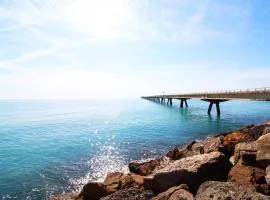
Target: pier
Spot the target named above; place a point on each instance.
(258, 94)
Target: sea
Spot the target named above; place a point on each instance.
(54, 146)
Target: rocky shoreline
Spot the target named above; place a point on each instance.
(230, 166)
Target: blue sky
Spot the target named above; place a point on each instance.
(129, 48)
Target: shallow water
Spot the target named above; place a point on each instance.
(51, 146)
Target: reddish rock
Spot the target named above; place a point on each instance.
(191, 171)
(234, 138)
(182, 195)
(168, 193)
(260, 148)
(93, 191)
(117, 180)
(247, 176)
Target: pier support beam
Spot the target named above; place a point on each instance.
(182, 101)
(214, 101)
(169, 101)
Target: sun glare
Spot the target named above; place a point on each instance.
(103, 18)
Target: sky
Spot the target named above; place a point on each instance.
(129, 48)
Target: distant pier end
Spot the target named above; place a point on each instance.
(262, 94)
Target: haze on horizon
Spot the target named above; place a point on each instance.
(129, 48)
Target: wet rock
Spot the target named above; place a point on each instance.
(260, 148)
(117, 180)
(144, 167)
(227, 191)
(234, 138)
(93, 191)
(191, 171)
(247, 176)
(132, 193)
(66, 196)
(168, 193)
(267, 177)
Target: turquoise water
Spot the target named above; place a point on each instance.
(48, 147)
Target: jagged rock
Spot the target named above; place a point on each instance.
(213, 144)
(260, 148)
(247, 176)
(234, 138)
(117, 180)
(182, 195)
(168, 193)
(132, 193)
(256, 131)
(66, 196)
(191, 171)
(191, 149)
(144, 167)
(227, 191)
(93, 191)
(267, 177)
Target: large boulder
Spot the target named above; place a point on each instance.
(234, 138)
(116, 180)
(93, 191)
(175, 193)
(227, 190)
(191, 171)
(132, 193)
(259, 149)
(247, 176)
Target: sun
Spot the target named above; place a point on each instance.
(99, 18)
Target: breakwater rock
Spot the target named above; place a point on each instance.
(233, 166)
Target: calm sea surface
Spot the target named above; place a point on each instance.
(51, 146)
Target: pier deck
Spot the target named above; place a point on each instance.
(262, 94)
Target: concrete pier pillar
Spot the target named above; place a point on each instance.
(210, 107)
(182, 101)
(214, 101)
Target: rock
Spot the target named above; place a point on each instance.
(256, 131)
(93, 191)
(232, 139)
(266, 130)
(260, 148)
(113, 181)
(182, 195)
(213, 144)
(191, 171)
(144, 167)
(247, 176)
(117, 180)
(66, 196)
(191, 149)
(267, 177)
(227, 191)
(167, 194)
(132, 193)
(263, 188)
